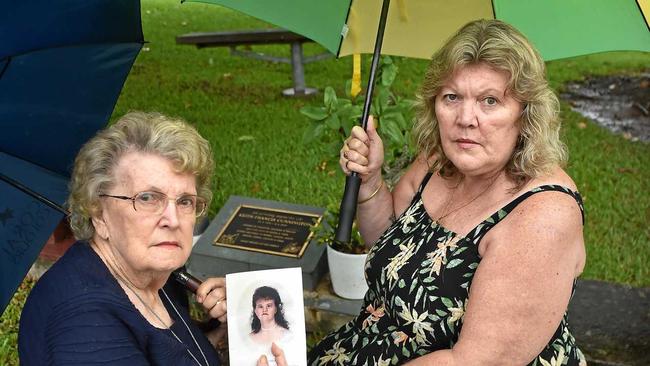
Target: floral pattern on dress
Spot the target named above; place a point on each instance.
(419, 275)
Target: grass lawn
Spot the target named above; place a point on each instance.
(256, 134)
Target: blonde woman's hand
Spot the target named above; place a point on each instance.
(363, 152)
(212, 296)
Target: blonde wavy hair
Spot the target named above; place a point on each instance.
(153, 133)
(502, 47)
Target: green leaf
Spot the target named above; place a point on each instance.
(347, 124)
(382, 100)
(458, 251)
(390, 129)
(312, 132)
(330, 98)
(413, 284)
(315, 113)
(406, 352)
(349, 116)
(333, 122)
(418, 294)
(388, 74)
(401, 283)
(453, 263)
(447, 302)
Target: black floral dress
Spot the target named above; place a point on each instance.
(419, 275)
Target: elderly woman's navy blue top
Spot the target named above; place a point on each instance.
(77, 314)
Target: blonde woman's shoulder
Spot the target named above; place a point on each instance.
(557, 176)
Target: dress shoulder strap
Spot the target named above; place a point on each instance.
(425, 180)
(479, 231)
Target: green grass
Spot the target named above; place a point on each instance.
(256, 133)
(9, 325)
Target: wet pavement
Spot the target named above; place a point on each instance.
(611, 323)
(618, 103)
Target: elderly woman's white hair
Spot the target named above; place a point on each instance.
(153, 133)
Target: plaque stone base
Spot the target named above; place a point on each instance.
(210, 260)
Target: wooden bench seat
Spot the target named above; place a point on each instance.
(234, 39)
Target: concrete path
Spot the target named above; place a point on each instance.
(611, 323)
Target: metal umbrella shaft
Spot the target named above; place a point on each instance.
(32, 193)
(348, 208)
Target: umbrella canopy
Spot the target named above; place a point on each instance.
(416, 28)
(62, 66)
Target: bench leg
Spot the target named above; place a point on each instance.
(299, 88)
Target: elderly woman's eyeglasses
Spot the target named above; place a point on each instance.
(156, 202)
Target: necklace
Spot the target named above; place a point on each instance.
(451, 198)
(188, 330)
(126, 283)
(270, 328)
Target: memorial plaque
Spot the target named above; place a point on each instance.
(265, 230)
(233, 243)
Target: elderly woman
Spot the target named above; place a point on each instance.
(135, 193)
(477, 248)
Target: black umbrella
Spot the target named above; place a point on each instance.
(62, 66)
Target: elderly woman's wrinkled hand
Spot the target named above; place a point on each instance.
(212, 296)
(363, 153)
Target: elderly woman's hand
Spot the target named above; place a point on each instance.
(278, 353)
(212, 296)
(363, 152)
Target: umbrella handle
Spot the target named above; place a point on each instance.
(190, 282)
(348, 208)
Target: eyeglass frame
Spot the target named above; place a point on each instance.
(134, 197)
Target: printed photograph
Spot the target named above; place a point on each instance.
(266, 307)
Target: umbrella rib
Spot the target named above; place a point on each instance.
(643, 15)
(5, 66)
(72, 45)
(32, 193)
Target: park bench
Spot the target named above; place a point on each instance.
(235, 39)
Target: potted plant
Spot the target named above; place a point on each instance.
(346, 261)
(331, 123)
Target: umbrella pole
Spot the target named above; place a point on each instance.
(348, 208)
(25, 189)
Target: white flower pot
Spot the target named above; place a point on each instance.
(347, 273)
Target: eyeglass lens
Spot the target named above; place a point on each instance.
(157, 201)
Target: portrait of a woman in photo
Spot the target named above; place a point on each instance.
(268, 323)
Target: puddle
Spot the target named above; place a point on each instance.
(618, 103)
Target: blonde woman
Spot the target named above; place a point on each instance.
(475, 252)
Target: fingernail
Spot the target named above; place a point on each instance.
(199, 298)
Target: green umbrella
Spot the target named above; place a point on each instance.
(416, 28)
